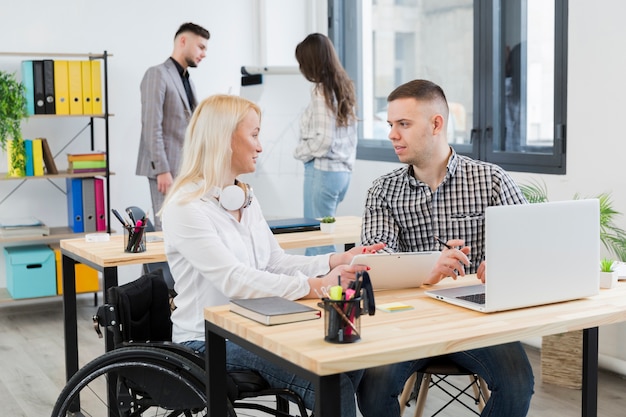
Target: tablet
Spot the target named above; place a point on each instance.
(393, 271)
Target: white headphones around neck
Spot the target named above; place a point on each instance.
(235, 197)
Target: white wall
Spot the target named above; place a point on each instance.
(138, 34)
(265, 32)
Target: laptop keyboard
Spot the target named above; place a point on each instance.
(473, 298)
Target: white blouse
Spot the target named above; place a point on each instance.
(214, 258)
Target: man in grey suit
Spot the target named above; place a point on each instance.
(167, 101)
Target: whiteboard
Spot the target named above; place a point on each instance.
(282, 96)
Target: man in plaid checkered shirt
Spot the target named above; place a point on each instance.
(439, 194)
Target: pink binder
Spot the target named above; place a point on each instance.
(101, 222)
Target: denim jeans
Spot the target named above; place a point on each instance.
(238, 358)
(505, 369)
(323, 191)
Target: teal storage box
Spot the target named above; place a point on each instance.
(30, 271)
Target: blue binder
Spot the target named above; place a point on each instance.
(30, 167)
(27, 81)
(75, 204)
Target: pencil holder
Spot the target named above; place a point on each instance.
(135, 239)
(342, 320)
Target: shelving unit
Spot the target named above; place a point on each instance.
(64, 232)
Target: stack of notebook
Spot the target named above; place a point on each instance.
(22, 227)
(86, 162)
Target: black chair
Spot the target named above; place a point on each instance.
(146, 372)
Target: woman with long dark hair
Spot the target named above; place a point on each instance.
(328, 134)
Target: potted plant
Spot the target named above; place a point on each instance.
(327, 224)
(12, 111)
(608, 277)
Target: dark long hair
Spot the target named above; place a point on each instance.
(320, 64)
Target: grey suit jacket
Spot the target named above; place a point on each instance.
(165, 114)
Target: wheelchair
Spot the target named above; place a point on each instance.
(148, 375)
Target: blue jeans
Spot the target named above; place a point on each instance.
(323, 191)
(238, 358)
(505, 368)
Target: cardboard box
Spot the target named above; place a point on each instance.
(86, 277)
(30, 271)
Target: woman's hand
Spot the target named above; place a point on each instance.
(451, 263)
(341, 275)
(346, 257)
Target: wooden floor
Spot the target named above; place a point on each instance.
(32, 368)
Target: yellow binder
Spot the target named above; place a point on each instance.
(86, 83)
(96, 86)
(75, 87)
(61, 93)
(37, 157)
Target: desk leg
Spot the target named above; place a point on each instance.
(348, 246)
(69, 321)
(109, 276)
(216, 374)
(328, 396)
(590, 373)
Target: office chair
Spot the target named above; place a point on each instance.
(435, 375)
(148, 374)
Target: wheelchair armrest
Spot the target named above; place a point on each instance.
(106, 316)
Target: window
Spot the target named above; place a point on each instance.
(502, 64)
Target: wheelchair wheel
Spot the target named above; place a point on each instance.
(135, 381)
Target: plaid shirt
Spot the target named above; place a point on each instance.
(406, 214)
(333, 148)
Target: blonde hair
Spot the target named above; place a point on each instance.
(207, 148)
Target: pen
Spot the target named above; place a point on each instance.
(346, 319)
(120, 218)
(443, 243)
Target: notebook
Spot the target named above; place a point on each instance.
(301, 224)
(536, 254)
(391, 271)
(273, 310)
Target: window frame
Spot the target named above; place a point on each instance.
(344, 28)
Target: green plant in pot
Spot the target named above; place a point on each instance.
(608, 277)
(327, 224)
(12, 112)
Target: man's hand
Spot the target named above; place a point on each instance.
(451, 263)
(164, 182)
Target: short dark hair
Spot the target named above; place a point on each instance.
(192, 27)
(419, 90)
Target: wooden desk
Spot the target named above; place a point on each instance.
(107, 256)
(432, 328)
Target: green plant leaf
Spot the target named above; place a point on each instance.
(12, 108)
(535, 192)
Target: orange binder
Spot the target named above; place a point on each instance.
(61, 93)
(96, 86)
(86, 86)
(75, 87)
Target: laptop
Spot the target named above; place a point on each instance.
(300, 224)
(536, 254)
(393, 271)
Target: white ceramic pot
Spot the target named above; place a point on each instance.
(327, 227)
(608, 279)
